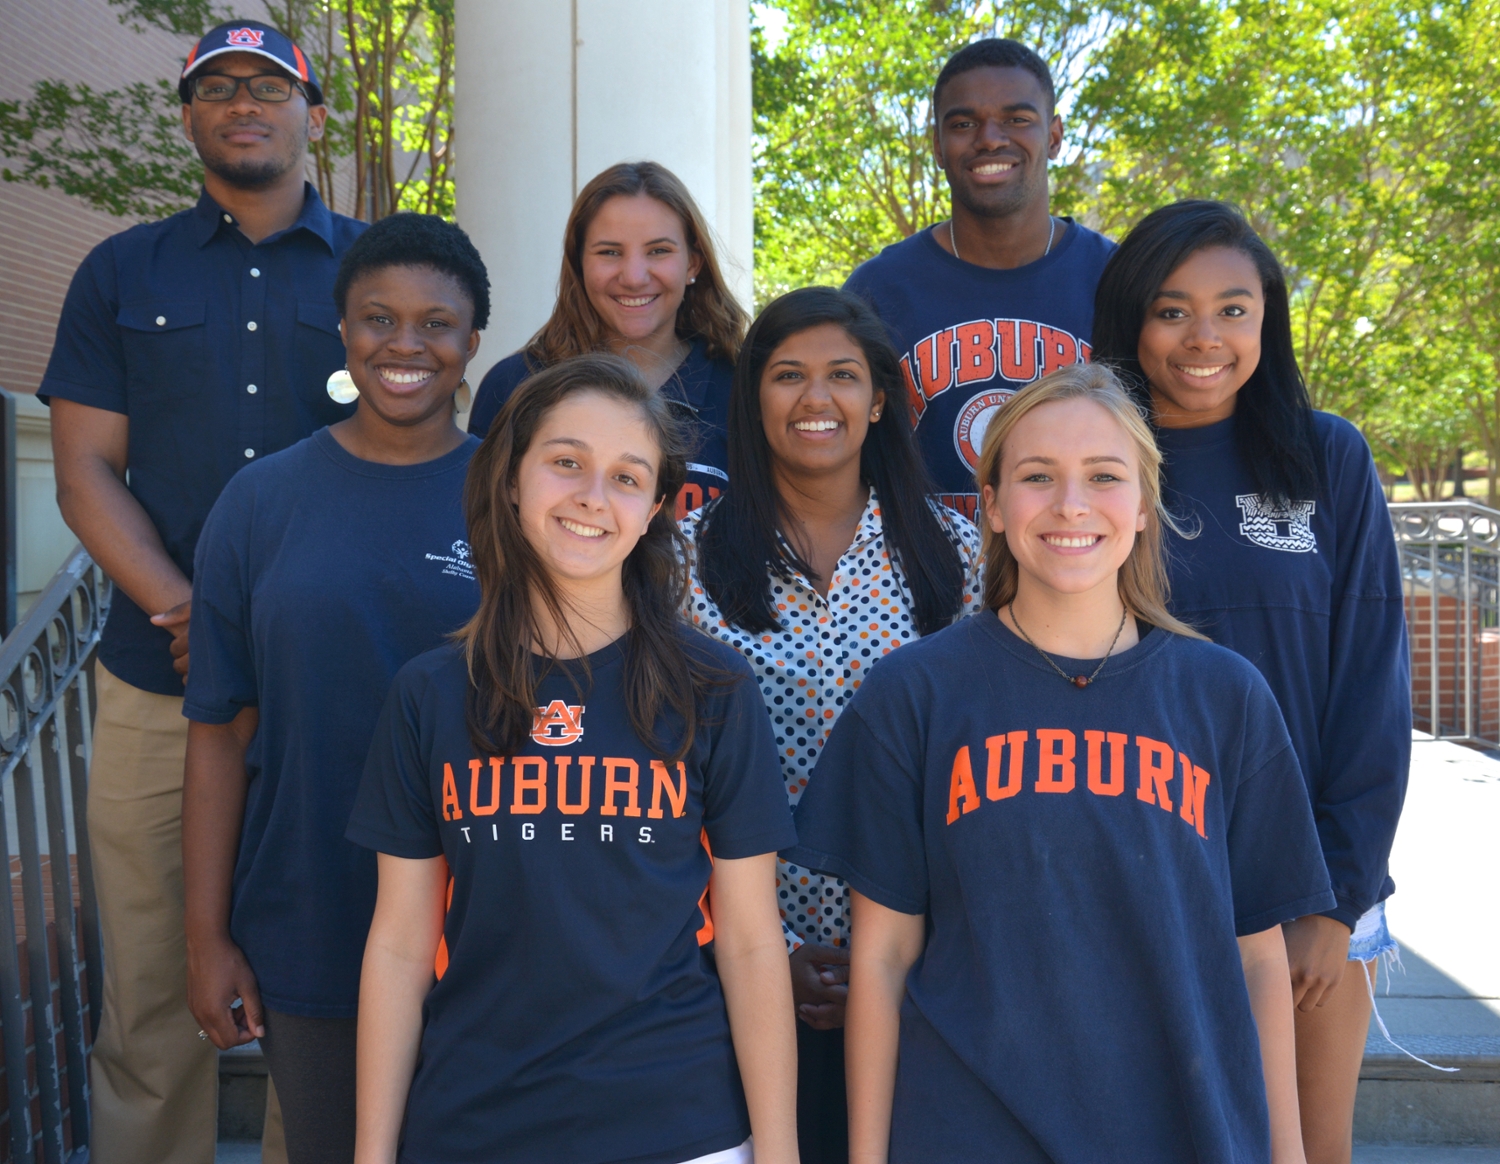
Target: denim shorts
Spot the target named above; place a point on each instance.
(1372, 937)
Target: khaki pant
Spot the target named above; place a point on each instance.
(155, 1083)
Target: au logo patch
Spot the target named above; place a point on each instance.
(246, 38)
(973, 419)
(558, 724)
(1286, 527)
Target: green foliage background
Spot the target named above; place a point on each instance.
(1361, 136)
(1362, 139)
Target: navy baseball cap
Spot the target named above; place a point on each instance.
(250, 36)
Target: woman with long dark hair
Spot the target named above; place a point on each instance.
(1294, 568)
(570, 803)
(825, 557)
(640, 278)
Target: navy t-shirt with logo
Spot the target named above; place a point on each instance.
(1085, 860)
(317, 576)
(970, 337)
(1311, 594)
(577, 1017)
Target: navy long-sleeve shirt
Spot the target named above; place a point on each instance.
(1311, 594)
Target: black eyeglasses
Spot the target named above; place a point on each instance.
(272, 87)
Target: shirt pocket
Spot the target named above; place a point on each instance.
(317, 352)
(166, 350)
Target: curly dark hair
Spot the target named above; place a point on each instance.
(417, 240)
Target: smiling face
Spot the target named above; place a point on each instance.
(1069, 497)
(995, 133)
(586, 488)
(408, 335)
(1200, 342)
(817, 402)
(250, 143)
(636, 266)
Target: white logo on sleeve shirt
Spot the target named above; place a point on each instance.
(1278, 526)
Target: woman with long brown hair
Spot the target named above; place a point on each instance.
(1072, 827)
(640, 278)
(571, 803)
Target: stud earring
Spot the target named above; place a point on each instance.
(874, 416)
(463, 399)
(694, 279)
(341, 387)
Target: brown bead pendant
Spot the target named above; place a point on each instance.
(1080, 680)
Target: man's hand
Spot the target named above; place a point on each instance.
(175, 622)
(218, 974)
(1317, 950)
(820, 985)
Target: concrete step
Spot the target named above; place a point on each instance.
(242, 1094)
(1363, 1154)
(1443, 1002)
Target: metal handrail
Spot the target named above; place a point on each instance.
(46, 738)
(1451, 550)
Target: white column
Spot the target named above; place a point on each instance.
(549, 93)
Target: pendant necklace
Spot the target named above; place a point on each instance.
(1079, 681)
(1051, 232)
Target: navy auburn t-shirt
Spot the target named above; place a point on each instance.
(970, 337)
(700, 390)
(1084, 859)
(577, 1017)
(317, 576)
(1310, 592)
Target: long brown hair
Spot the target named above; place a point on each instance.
(708, 309)
(1143, 578)
(660, 674)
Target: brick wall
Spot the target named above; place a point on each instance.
(1449, 661)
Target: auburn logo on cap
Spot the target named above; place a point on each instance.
(246, 38)
(558, 724)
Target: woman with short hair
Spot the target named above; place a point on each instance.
(641, 278)
(320, 571)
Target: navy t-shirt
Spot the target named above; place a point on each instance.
(218, 350)
(700, 387)
(1311, 594)
(970, 337)
(577, 1018)
(318, 575)
(1084, 859)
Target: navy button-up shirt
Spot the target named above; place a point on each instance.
(219, 352)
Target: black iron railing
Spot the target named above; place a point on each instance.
(50, 916)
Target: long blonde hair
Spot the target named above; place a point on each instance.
(708, 308)
(1143, 577)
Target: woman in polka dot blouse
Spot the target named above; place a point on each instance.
(825, 555)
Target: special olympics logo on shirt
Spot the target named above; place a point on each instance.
(1285, 526)
(973, 419)
(461, 550)
(558, 724)
(246, 38)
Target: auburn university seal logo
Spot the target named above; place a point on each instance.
(1285, 526)
(973, 419)
(246, 38)
(558, 724)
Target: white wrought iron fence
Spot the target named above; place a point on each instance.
(1450, 566)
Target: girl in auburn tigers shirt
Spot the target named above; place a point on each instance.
(569, 805)
(1072, 828)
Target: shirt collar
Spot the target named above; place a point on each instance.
(870, 526)
(209, 218)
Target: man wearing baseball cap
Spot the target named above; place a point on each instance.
(187, 348)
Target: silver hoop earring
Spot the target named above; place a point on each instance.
(341, 389)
